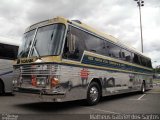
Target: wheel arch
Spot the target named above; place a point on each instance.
(97, 80)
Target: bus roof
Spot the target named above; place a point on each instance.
(9, 41)
(86, 27)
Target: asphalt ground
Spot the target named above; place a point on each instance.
(130, 103)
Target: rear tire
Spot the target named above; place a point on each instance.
(143, 88)
(93, 93)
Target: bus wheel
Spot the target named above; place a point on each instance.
(93, 93)
(1, 88)
(143, 88)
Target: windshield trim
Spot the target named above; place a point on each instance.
(64, 39)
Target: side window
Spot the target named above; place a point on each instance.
(140, 60)
(143, 61)
(74, 44)
(112, 50)
(95, 44)
(126, 55)
(132, 56)
(77, 41)
(149, 64)
(146, 62)
(136, 59)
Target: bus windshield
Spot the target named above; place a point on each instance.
(48, 41)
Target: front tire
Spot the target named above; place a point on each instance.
(93, 93)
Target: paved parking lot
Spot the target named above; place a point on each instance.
(132, 103)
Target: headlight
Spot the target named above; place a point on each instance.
(54, 81)
(14, 82)
(41, 81)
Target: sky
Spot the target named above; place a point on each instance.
(119, 18)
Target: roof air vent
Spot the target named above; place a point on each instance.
(77, 21)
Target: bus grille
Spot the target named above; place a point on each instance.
(37, 70)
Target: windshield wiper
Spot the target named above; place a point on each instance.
(36, 51)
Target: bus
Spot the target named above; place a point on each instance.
(8, 53)
(63, 60)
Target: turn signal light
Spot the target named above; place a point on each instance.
(34, 81)
(54, 82)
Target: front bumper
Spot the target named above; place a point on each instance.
(44, 95)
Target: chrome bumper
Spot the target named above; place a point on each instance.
(43, 95)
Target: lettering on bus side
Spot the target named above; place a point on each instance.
(102, 62)
(112, 64)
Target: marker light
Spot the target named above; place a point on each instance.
(54, 82)
(34, 81)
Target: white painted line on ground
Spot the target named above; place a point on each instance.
(101, 110)
(137, 99)
(141, 97)
(153, 92)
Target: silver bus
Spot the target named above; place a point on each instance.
(64, 60)
(8, 53)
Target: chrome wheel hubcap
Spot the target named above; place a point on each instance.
(93, 94)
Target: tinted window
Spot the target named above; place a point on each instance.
(112, 50)
(95, 44)
(149, 64)
(83, 41)
(74, 44)
(79, 41)
(143, 61)
(126, 55)
(146, 62)
(136, 59)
